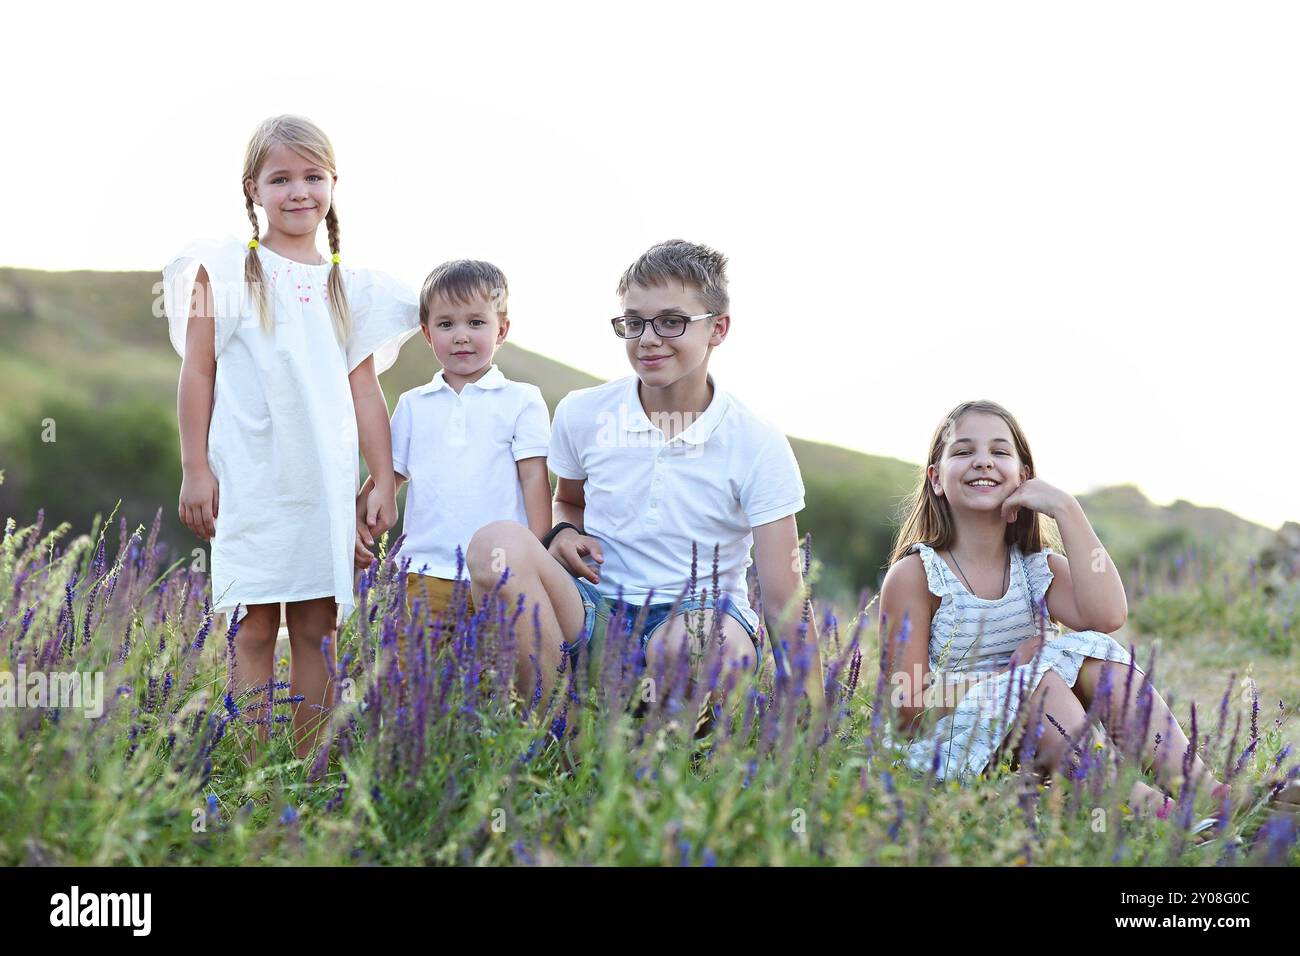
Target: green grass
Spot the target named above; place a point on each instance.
(473, 779)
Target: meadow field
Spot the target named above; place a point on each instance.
(431, 758)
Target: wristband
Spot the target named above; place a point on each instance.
(550, 535)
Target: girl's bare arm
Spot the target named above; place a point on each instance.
(376, 442)
(905, 594)
(1086, 593)
(363, 501)
(198, 505)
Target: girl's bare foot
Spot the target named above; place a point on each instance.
(1288, 798)
(1146, 801)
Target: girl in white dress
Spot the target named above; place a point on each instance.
(281, 349)
(970, 573)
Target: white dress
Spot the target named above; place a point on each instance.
(282, 442)
(971, 639)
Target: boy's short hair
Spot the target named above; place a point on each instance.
(461, 281)
(684, 261)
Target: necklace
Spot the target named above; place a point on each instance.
(1006, 574)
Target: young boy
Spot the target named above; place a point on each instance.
(647, 466)
(471, 442)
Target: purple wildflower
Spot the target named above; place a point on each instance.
(205, 627)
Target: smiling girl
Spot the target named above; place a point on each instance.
(971, 573)
(281, 349)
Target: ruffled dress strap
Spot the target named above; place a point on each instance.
(1038, 575)
(385, 313)
(934, 575)
(223, 260)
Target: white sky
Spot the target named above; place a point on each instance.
(1090, 213)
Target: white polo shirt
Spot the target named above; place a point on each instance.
(459, 452)
(648, 500)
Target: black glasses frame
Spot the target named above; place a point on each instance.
(654, 323)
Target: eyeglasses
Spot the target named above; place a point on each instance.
(666, 326)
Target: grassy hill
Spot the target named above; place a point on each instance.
(88, 384)
(1130, 524)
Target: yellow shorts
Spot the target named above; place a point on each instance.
(436, 595)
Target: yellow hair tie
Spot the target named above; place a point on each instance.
(252, 243)
(336, 258)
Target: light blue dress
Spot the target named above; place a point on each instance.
(972, 639)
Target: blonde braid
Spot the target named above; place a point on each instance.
(254, 277)
(338, 294)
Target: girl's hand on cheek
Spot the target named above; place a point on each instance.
(1012, 515)
(1036, 495)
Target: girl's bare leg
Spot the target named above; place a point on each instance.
(1167, 758)
(1056, 699)
(1052, 698)
(309, 623)
(1146, 800)
(255, 663)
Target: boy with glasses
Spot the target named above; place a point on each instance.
(648, 466)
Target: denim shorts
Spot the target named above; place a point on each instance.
(597, 610)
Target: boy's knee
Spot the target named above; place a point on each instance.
(494, 548)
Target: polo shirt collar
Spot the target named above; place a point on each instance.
(700, 429)
(492, 378)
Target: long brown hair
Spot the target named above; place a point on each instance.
(307, 139)
(929, 517)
